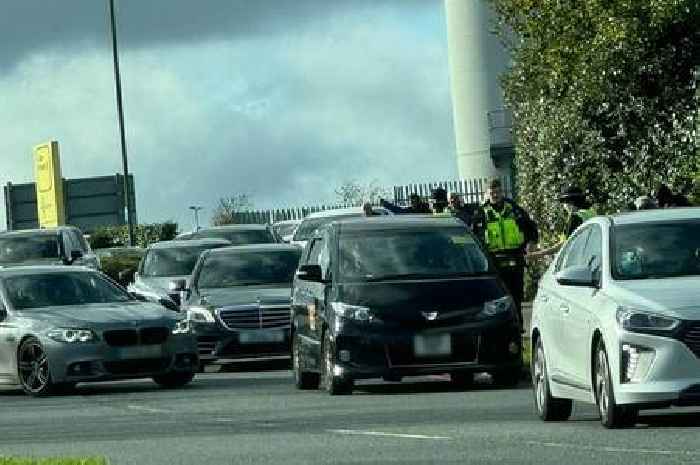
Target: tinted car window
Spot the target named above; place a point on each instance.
(594, 248)
(658, 250)
(53, 289)
(438, 252)
(310, 225)
(255, 236)
(245, 269)
(176, 261)
(315, 252)
(25, 248)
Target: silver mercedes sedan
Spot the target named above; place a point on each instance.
(63, 325)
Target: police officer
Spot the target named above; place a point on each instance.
(579, 211)
(508, 232)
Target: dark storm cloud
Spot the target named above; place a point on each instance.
(28, 25)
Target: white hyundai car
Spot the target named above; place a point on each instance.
(616, 320)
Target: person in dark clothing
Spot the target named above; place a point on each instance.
(439, 202)
(667, 199)
(367, 210)
(417, 206)
(508, 232)
(460, 210)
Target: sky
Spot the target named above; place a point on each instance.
(282, 100)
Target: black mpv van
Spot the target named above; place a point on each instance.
(388, 297)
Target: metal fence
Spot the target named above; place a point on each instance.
(471, 190)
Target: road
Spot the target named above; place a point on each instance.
(258, 418)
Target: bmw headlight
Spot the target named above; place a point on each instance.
(351, 312)
(199, 314)
(498, 306)
(633, 320)
(182, 327)
(72, 336)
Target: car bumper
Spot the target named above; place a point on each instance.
(672, 377)
(486, 347)
(99, 362)
(215, 342)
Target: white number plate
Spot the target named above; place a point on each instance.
(261, 337)
(432, 345)
(154, 351)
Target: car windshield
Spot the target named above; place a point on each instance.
(656, 250)
(175, 261)
(248, 268)
(26, 248)
(237, 237)
(61, 289)
(434, 252)
(309, 225)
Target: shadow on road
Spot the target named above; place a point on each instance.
(408, 387)
(670, 420)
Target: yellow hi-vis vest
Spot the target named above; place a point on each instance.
(502, 230)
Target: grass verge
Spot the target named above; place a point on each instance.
(527, 351)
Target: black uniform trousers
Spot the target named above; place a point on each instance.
(511, 268)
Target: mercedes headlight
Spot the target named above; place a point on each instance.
(633, 320)
(498, 306)
(182, 327)
(200, 315)
(72, 336)
(351, 312)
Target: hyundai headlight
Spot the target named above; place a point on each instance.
(183, 326)
(351, 312)
(498, 306)
(633, 320)
(72, 336)
(200, 315)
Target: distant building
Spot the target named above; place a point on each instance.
(90, 203)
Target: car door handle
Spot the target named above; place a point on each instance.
(565, 309)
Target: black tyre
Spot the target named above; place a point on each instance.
(462, 380)
(302, 379)
(174, 380)
(331, 383)
(33, 368)
(548, 407)
(611, 414)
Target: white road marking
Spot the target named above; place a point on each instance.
(617, 450)
(352, 432)
(141, 408)
(224, 420)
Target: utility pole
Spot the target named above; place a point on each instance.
(128, 194)
(195, 209)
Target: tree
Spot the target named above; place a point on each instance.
(603, 94)
(353, 192)
(225, 212)
(146, 234)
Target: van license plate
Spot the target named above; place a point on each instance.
(432, 345)
(261, 337)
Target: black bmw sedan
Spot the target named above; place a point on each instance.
(388, 297)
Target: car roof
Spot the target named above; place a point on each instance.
(43, 269)
(656, 215)
(254, 248)
(189, 243)
(35, 232)
(340, 212)
(234, 227)
(286, 222)
(397, 222)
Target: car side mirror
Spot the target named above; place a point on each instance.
(311, 273)
(579, 276)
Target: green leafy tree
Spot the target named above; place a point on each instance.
(603, 94)
(228, 207)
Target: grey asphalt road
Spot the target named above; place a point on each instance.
(258, 418)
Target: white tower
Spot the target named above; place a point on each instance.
(482, 129)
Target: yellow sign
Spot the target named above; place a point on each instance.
(49, 185)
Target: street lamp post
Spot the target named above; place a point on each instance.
(122, 132)
(195, 209)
